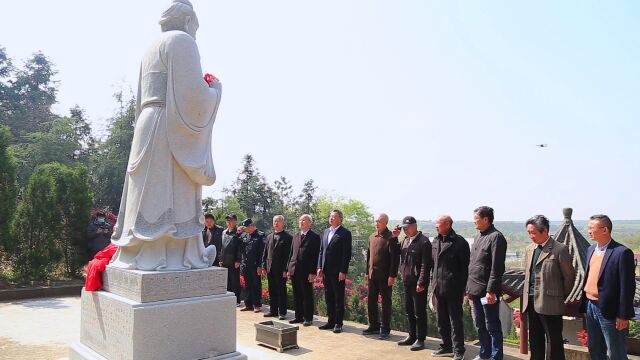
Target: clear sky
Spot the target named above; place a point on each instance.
(414, 107)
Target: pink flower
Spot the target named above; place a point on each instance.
(209, 78)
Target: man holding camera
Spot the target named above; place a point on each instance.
(98, 235)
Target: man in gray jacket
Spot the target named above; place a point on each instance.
(484, 286)
(548, 280)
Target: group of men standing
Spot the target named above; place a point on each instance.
(455, 270)
(281, 257)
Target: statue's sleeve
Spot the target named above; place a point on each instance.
(191, 108)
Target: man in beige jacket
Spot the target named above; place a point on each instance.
(548, 279)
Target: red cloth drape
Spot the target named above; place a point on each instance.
(97, 266)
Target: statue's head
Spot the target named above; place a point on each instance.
(180, 16)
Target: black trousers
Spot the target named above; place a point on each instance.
(334, 297)
(545, 335)
(233, 282)
(277, 293)
(302, 295)
(379, 287)
(252, 287)
(416, 307)
(450, 325)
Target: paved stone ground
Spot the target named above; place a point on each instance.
(44, 329)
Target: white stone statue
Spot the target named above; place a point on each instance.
(160, 221)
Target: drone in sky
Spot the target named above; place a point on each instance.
(542, 145)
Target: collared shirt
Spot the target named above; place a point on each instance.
(600, 250)
(545, 242)
(332, 231)
(412, 238)
(534, 260)
(303, 233)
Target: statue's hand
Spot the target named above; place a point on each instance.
(216, 84)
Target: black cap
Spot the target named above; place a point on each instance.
(247, 222)
(232, 216)
(408, 220)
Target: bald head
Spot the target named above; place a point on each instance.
(381, 222)
(444, 223)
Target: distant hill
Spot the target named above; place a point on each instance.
(625, 231)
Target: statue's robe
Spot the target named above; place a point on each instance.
(160, 221)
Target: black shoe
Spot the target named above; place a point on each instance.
(370, 331)
(269, 315)
(337, 329)
(326, 326)
(407, 341)
(442, 353)
(418, 345)
(458, 356)
(296, 321)
(307, 323)
(384, 334)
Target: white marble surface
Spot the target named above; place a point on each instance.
(118, 328)
(160, 218)
(147, 286)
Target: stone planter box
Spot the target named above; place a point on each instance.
(633, 346)
(277, 335)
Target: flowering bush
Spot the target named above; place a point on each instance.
(583, 337)
(516, 318)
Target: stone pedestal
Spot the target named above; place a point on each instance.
(154, 315)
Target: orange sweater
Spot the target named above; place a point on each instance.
(591, 286)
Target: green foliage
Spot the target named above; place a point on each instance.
(357, 218)
(8, 186)
(67, 141)
(33, 249)
(109, 164)
(634, 328)
(49, 222)
(27, 95)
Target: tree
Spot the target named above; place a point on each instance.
(286, 204)
(33, 251)
(112, 156)
(307, 202)
(50, 222)
(255, 196)
(6, 73)
(8, 185)
(29, 96)
(357, 218)
(67, 141)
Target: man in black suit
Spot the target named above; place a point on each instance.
(416, 262)
(333, 265)
(608, 292)
(230, 255)
(275, 260)
(212, 235)
(302, 269)
(450, 272)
